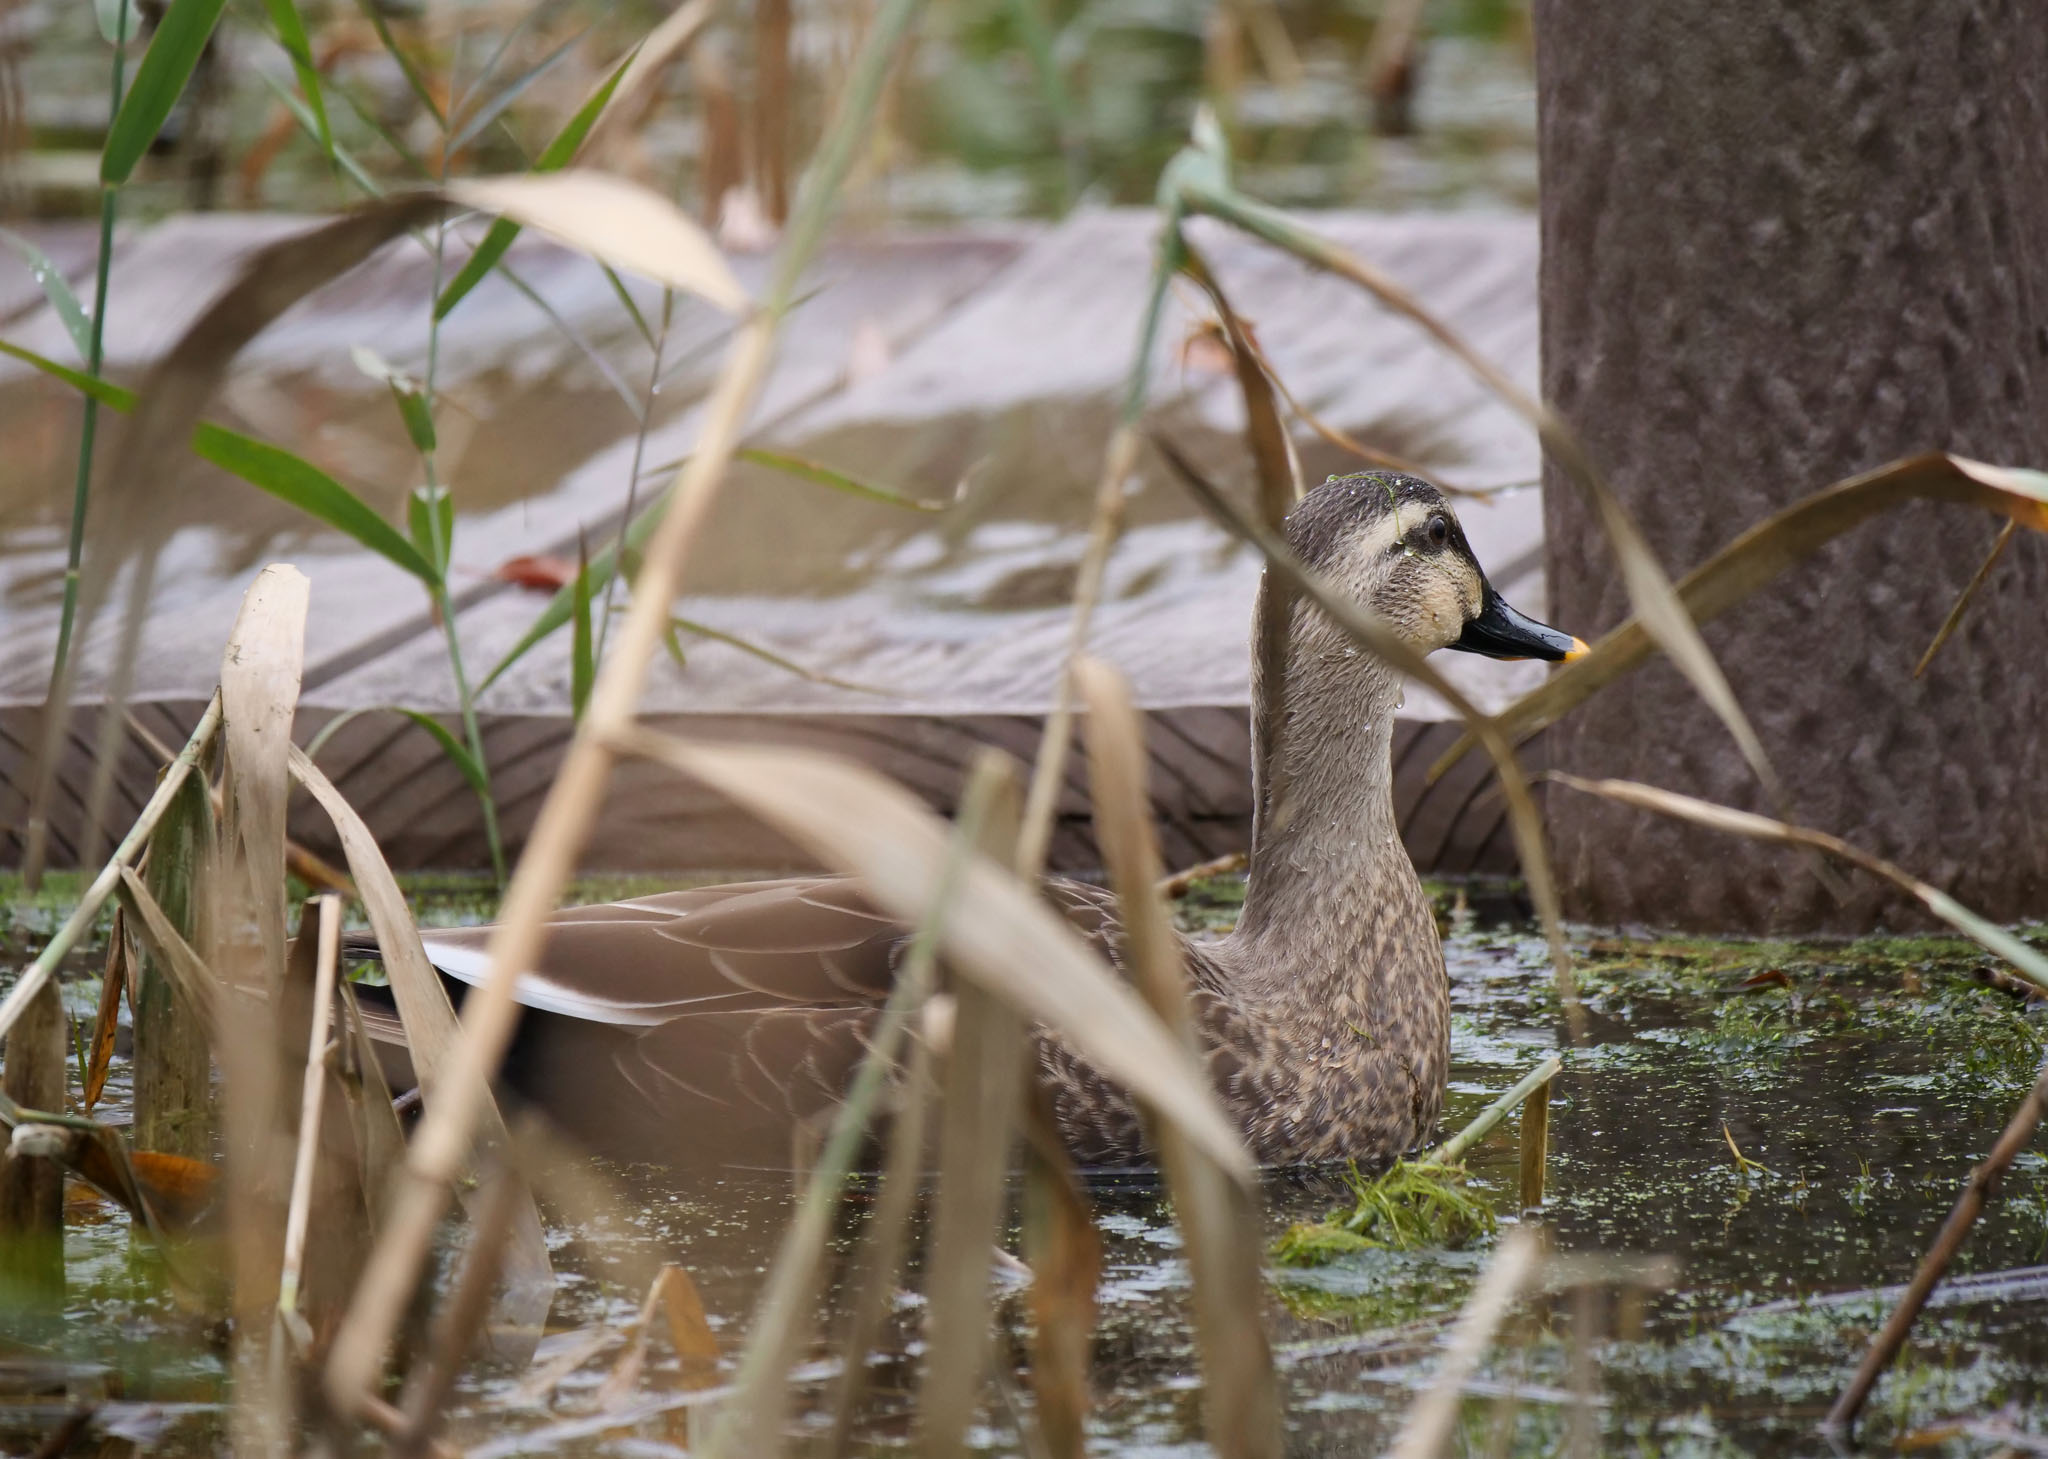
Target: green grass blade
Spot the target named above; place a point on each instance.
(582, 654)
(374, 13)
(292, 479)
(271, 468)
(291, 33)
(112, 396)
(474, 124)
(303, 115)
(368, 116)
(430, 517)
(555, 156)
(453, 748)
(819, 474)
(180, 37)
(765, 654)
(563, 604)
(50, 279)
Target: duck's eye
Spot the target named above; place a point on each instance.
(1439, 531)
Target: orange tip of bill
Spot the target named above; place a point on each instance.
(1578, 650)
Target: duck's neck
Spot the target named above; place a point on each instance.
(1327, 864)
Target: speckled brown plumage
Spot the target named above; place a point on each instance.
(718, 1022)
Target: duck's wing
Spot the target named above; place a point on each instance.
(743, 948)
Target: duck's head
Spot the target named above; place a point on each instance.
(1393, 543)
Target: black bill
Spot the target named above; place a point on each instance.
(1503, 632)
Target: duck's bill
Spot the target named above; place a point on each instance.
(1505, 632)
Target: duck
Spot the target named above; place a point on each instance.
(718, 1023)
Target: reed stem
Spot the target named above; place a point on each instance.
(88, 432)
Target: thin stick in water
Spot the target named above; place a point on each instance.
(2019, 1131)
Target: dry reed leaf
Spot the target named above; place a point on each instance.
(1770, 548)
(162, 941)
(1218, 1218)
(983, 1082)
(1279, 488)
(981, 1090)
(430, 1032)
(756, 1419)
(180, 1190)
(312, 1106)
(1065, 1255)
(997, 933)
(663, 44)
(887, 1231)
(689, 1332)
(1514, 1268)
(2026, 960)
(259, 692)
(622, 223)
(380, 1141)
(1954, 620)
(1048, 767)
(568, 812)
(107, 1021)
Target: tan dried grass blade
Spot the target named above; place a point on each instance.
(1962, 604)
(1768, 549)
(662, 45)
(259, 692)
(620, 222)
(570, 809)
(689, 1332)
(998, 933)
(106, 1021)
(753, 1424)
(312, 1099)
(1065, 1254)
(430, 1032)
(162, 941)
(1218, 1218)
(2026, 960)
(1511, 1272)
(984, 1083)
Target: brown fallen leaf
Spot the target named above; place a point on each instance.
(537, 573)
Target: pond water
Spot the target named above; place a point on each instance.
(1697, 1304)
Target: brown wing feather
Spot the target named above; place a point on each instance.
(743, 948)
